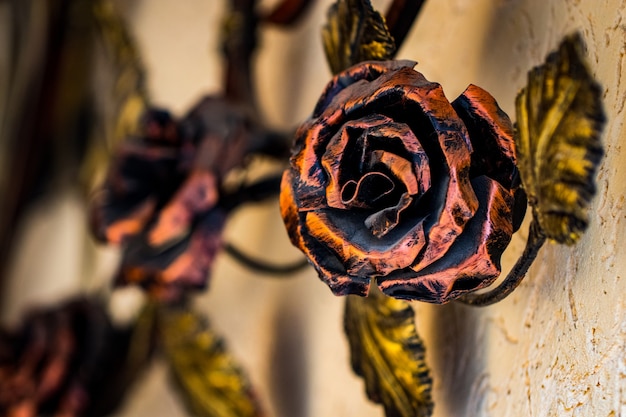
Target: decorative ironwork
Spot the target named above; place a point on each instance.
(387, 352)
(390, 180)
(355, 32)
(560, 117)
(208, 378)
(389, 183)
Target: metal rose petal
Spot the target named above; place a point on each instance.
(333, 160)
(330, 269)
(374, 139)
(289, 209)
(410, 90)
(400, 167)
(140, 177)
(364, 71)
(382, 222)
(473, 262)
(457, 202)
(196, 195)
(128, 223)
(166, 271)
(491, 133)
(312, 138)
(362, 253)
(398, 139)
(311, 175)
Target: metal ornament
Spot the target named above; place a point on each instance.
(390, 180)
(560, 118)
(390, 183)
(387, 352)
(392, 192)
(71, 360)
(209, 380)
(355, 32)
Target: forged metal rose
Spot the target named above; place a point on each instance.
(162, 199)
(389, 180)
(66, 360)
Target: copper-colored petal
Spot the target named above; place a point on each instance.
(491, 133)
(350, 95)
(333, 158)
(193, 266)
(457, 201)
(26, 408)
(383, 221)
(138, 178)
(221, 154)
(364, 71)
(326, 263)
(311, 178)
(186, 264)
(368, 137)
(198, 194)
(131, 224)
(331, 269)
(289, 209)
(400, 144)
(473, 261)
(400, 167)
(61, 348)
(360, 251)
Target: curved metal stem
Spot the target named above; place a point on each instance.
(288, 12)
(262, 266)
(238, 46)
(400, 17)
(536, 239)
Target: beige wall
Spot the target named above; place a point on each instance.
(556, 347)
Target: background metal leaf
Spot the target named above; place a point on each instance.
(208, 378)
(560, 117)
(355, 32)
(387, 352)
(120, 110)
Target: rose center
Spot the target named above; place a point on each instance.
(377, 191)
(368, 192)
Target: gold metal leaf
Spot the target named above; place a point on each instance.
(208, 378)
(559, 119)
(387, 352)
(355, 32)
(128, 98)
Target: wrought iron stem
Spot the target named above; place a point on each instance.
(400, 17)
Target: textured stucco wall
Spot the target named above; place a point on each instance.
(556, 347)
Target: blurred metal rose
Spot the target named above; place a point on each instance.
(162, 200)
(389, 180)
(67, 360)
